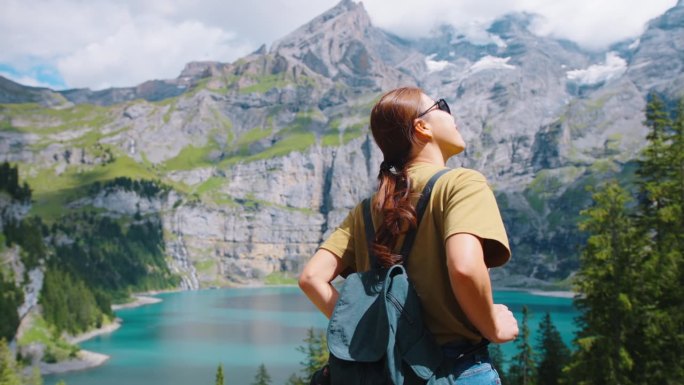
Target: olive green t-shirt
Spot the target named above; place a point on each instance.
(461, 202)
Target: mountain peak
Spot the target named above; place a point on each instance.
(346, 14)
(200, 69)
(342, 45)
(512, 24)
(672, 19)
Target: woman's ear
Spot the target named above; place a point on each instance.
(422, 130)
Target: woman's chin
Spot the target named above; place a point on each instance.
(459, 149)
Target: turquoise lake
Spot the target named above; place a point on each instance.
(181, 340)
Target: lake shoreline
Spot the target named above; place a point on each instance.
(539, 292)
(533, 291)
(87, 359)
(140, 300)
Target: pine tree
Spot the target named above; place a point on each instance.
(9, 370)
(609, 282)
(498, 362)
(654, 166)
(219, 375)
(315, 351)
(674, 299)
(35, 378)
(661, 190)
(262, 377)
(554, 355)
(294, 379)
(522, 370)
(10, 299)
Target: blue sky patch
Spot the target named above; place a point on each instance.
(36, 76)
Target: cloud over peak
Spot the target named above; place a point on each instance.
(100, 43)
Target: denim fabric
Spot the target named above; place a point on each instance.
(474, 369)
(477, 373)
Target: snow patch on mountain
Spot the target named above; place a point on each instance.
(613, 67)
(435, 65)
(491, 63)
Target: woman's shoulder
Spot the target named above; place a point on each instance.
(461, 175)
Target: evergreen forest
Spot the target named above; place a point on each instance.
(89, 261)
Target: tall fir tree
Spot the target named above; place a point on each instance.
(675, 298)
(10, 298)
(262, 377)
(609, 282)
(9, 369)
(661, 192)
(219, 375)
(654, 167)
(523, 368)
(498, 361)
(315, 351)
(34, 378)
(294, 379)
(553, 354)
(631, 270)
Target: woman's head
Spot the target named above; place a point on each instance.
(391, 123)
(405, 120)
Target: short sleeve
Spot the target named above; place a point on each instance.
(471, 207)
(341, 241)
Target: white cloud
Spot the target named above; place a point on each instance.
(596, 25)
(593, 25)
(46, 29)
(491, 63)
(101, 42)
(145, 49)
(613, 67)
(435, 65)
(476, 33)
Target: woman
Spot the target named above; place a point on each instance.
(461, 234)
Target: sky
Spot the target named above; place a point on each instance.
(98, 44)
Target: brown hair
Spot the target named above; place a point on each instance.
(391, 122)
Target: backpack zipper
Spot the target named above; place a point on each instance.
(399, 308)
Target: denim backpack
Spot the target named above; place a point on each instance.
(376, 333)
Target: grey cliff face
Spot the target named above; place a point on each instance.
(30, 281)
(658, 57)
(266, 155)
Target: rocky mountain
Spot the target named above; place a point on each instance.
(265, 155)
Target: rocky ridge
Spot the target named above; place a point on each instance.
(267, 154)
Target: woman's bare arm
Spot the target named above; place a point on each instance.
(315, 280)
(472, 288)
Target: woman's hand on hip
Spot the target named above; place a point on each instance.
(506, 326)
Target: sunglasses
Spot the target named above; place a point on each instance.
(441, 105)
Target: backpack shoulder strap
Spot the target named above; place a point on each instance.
(370, 232)
(411, 235)
(420, 210)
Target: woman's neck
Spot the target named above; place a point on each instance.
(429, 154)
